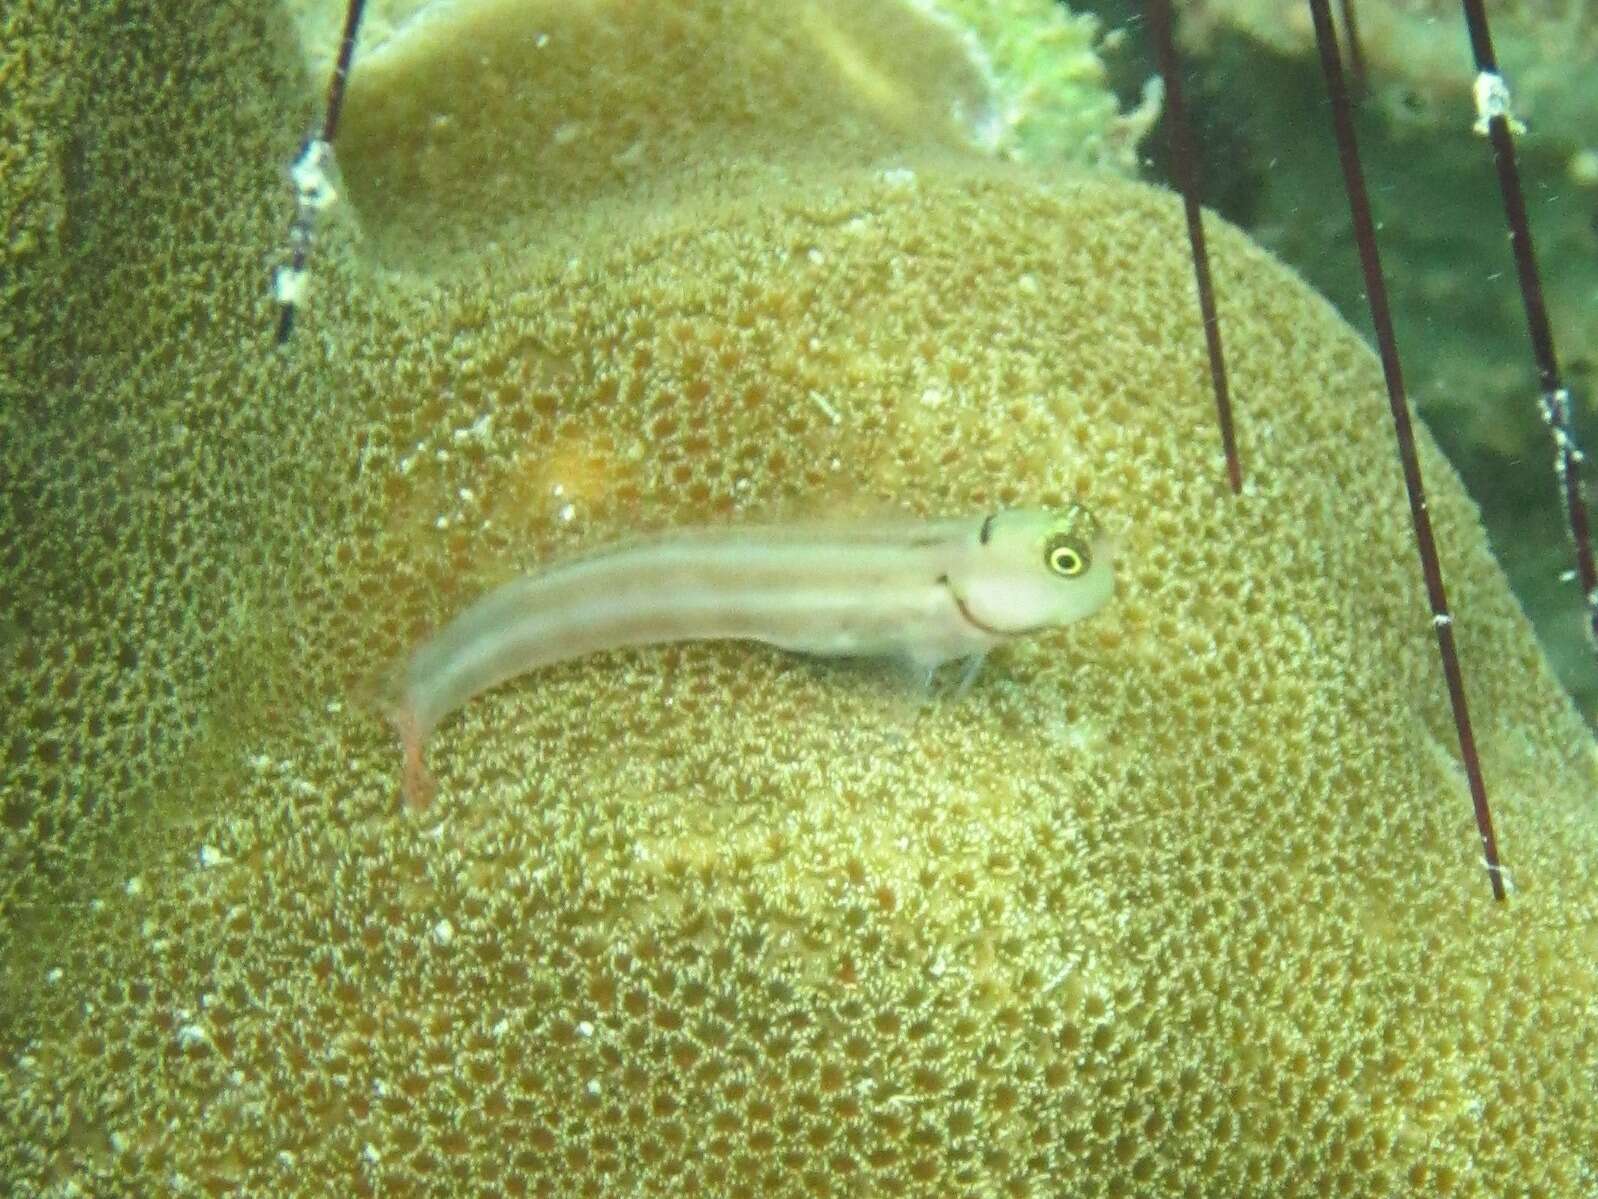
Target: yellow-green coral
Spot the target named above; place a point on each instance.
(433, 180)
(1185, 901)
(38, 95)
(1047, 71)
(817, 88)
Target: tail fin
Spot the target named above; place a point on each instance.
(382, 693)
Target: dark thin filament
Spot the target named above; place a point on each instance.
(1183, 160)
(305, 218)
(1356, 56)
(341, 68)
(285, 312)
(1555, 400)
(1425, 543)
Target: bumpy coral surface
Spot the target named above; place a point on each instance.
(1185, 900)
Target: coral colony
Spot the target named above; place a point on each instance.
(314, 192)
(1178, 900)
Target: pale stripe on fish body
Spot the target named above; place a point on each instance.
(924, 592)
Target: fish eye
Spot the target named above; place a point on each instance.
(1065, 556)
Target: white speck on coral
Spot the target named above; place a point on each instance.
(467, 495)
(54, 976)
(1058, 977)
(210, 856)
(192, 1034)
(567, 513)
(379, 1088)
(820, 401)
(480, 429)
(899, 176)
(1442, 620)
(288, 285)
(134, 886)
(502, 1027)
(1029, 284)
(441, 523)
(932, 397)
(815, 256)
(593, 1086)
(541, 41)
(371, 1154)
(443, 932)
(584, 1028)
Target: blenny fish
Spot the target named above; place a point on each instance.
(923, 593)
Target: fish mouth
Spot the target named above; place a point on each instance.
(983, 626)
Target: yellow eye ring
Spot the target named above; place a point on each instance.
(1065, 556)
